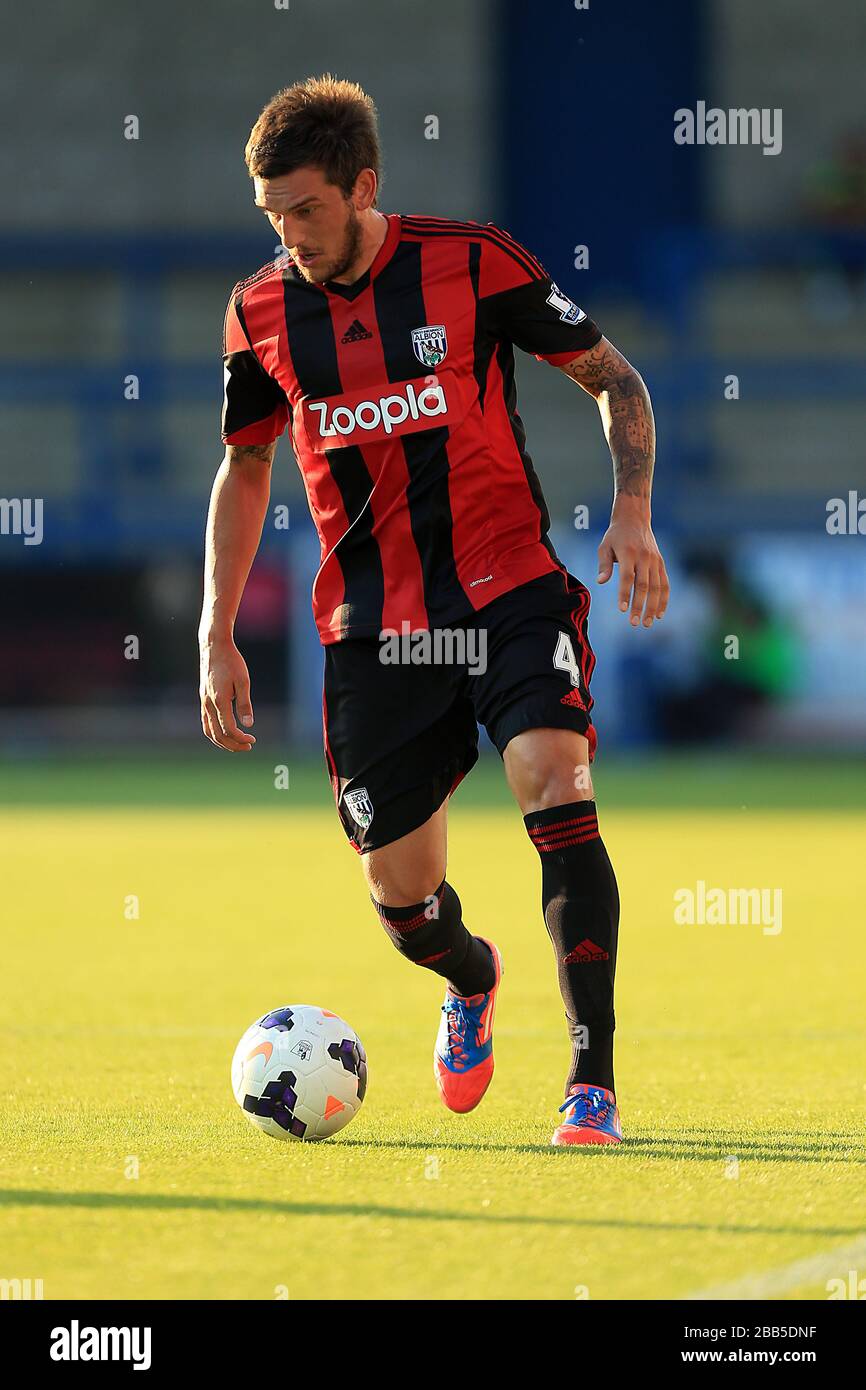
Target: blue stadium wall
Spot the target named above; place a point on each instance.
(600, 176)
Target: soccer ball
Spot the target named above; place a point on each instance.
(300, 1073)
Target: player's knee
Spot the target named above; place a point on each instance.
(430, 932)
(551, 784)
(395, 885)
(549, 767)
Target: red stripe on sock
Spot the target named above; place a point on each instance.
(585, 827)
(559, 824)
(565, 827)
(408, 924)
(428, 960)
(542, 837)
(560, 841)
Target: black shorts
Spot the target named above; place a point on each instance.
(401, 732)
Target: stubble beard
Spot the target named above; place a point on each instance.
(349, 252)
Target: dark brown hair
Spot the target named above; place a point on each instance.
(322, 121)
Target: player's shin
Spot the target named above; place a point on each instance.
(432, 934)
(581, 913)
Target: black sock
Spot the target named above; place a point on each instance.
(432, 934)
(581, 912)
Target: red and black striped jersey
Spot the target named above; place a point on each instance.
(399, 393)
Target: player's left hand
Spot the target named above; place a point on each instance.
(643, 579)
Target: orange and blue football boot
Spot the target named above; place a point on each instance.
(463, 1056)
(593, 1117)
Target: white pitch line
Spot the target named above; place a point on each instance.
(814, 1269)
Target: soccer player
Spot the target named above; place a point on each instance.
(385, 343)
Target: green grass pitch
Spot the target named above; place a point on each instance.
(128, 1171)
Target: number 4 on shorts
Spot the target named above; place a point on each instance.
(564, 658)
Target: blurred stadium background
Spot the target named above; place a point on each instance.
(117, 256)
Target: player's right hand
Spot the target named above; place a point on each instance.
(225, 678)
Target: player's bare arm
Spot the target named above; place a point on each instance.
(627, 417)
(238, 503)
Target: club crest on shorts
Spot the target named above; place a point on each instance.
(430, 344)
(360, 807)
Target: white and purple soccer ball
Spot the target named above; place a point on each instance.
(300, 1073)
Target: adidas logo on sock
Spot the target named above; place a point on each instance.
(355, 333)
(583, 951)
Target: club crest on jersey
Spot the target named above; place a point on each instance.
(430, 344)
(360, 807)
(567, 309)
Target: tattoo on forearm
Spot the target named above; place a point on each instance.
(630, 434)
(626, 412)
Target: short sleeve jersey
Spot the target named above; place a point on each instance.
(399, 394)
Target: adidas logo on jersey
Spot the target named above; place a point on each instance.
(356, 333)
(383, 414)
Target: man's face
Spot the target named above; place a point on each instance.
(317, 225)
